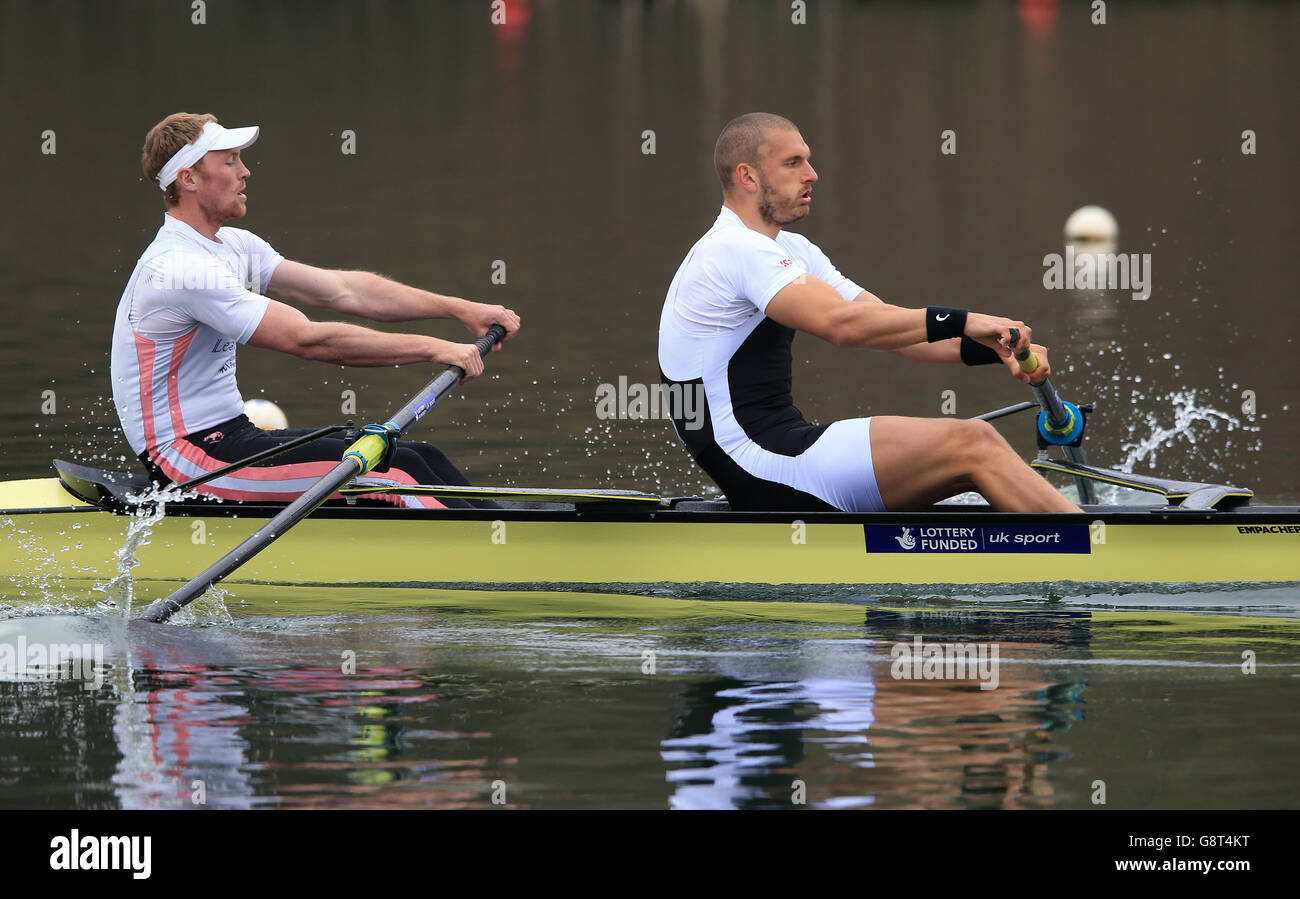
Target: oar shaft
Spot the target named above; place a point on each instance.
(371, 448)
(427, 398)
(162, 609)
(363, 455)
(1050, 400)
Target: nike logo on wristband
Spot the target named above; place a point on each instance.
(940, 318)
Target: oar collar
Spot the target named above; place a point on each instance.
(374, 449)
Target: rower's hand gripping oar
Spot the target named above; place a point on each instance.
(368, 452)
(1059, 423)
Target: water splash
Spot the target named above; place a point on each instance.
(118, 593)
(43, 570)
(208, 609)
(148, 508)
(1189, 412)
(1193, 420)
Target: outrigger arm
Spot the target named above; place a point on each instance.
(1189, 496)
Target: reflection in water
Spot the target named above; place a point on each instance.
(750, 707)
(204, 718)
(177, 732)
(1100, 282)
(879, 740)
(192, 736)
(738, 741)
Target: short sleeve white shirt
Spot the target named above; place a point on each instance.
(725, 284)
(189, 302)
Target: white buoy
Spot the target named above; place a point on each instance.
(266, 415)
(1091, 223)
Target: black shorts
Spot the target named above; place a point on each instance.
(284, 477)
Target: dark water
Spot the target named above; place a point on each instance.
(523, 143)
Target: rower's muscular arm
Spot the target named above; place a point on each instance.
(287, 330)
(810, 304)
(947, 351)
(358, 293)
(381, 299)
(950, 350)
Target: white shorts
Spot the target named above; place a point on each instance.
(836, 468)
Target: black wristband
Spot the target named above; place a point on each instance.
(975, 353)
(944, 322)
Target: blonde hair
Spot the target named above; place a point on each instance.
(165, 139)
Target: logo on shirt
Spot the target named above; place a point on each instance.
(786, 263)
(223, 346)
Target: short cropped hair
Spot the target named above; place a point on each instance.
(740, 141)
(164, 139)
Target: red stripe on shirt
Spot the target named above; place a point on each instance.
(173, 381)
(144, 354)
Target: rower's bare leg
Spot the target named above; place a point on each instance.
(919, 461)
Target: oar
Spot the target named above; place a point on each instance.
(1060, 423)
(361, 457)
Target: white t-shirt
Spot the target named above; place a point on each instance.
(715, 338)
(190, 300)
(725, 284)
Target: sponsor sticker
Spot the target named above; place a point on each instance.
(1268, 529)
(425, 407)
(977, 538)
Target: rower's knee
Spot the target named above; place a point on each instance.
(976, 440)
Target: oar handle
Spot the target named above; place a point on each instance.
(490, 339)
(1044, 391)
(1028, 361)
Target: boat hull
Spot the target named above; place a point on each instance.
(46, 535)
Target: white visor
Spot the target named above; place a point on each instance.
(213, 137)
